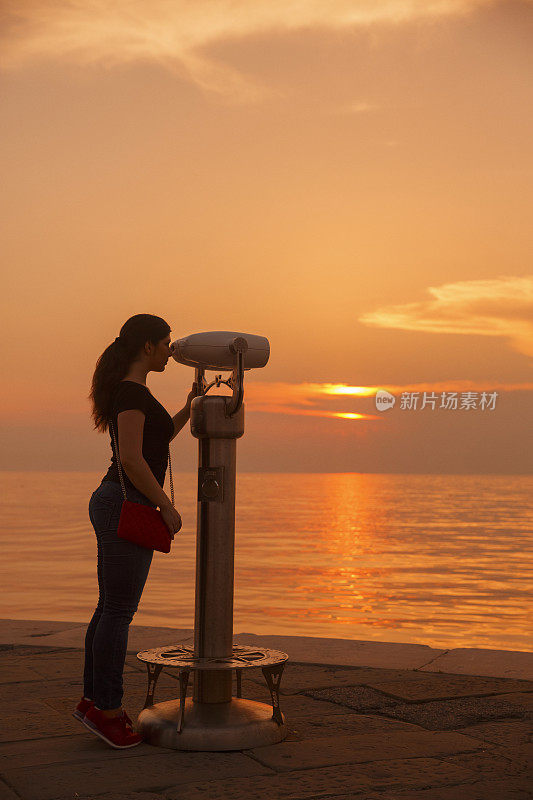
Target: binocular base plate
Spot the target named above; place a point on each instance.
(237, 725)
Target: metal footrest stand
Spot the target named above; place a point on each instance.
(182, 659)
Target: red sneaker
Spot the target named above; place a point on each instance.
(128, 720)
(82, 707)
(116, 731)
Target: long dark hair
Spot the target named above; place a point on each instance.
(115, 361)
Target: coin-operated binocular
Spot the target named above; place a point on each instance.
(214, 719)
(224, 350)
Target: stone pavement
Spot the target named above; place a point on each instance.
(402, 729)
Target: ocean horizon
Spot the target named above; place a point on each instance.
(435, 559)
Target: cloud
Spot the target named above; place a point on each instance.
(499, 307)
(357, 108)
(65, 404)
(174, 33)
(312, 399)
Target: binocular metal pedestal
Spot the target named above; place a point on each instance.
(233, 725)
(212, 719)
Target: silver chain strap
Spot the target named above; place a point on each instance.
(119, 465)
(170, 477)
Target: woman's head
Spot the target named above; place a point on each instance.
(144, 338)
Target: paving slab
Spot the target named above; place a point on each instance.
(479, 661)
(41, 689)
(480, 790)
(508, 733)
(10, 654)
(446, 714)
(55, 665)
(498, 762)
(32, 719)
(17, 673)
(319, 650)
(72, 749)
(19, 727)
(313, 727)
(360, 698)
(461, 712)
(440, 686)
(13, 629)
(378, 746)
(350, 796)
(115, 796)
(309, 784)
(522, 699)
(297, 677)
(6, 793)
(72, 634)
(153, 773)
(299, 705)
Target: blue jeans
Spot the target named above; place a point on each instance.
(123, 567)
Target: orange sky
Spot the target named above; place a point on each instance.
(352, 180)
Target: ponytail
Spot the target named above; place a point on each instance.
(114, 363)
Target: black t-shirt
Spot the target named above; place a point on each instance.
(157, 432)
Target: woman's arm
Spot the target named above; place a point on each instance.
(130, 438)
(143, 479)
(180, 419)
(183, 415)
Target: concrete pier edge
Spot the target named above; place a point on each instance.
(300, 649)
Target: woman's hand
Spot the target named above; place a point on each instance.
(172, 519)
(192, 394)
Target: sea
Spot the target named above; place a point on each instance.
(441, 560)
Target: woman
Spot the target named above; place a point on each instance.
(143, 430)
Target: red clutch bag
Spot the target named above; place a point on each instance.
(144, 525)
(140, 523)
